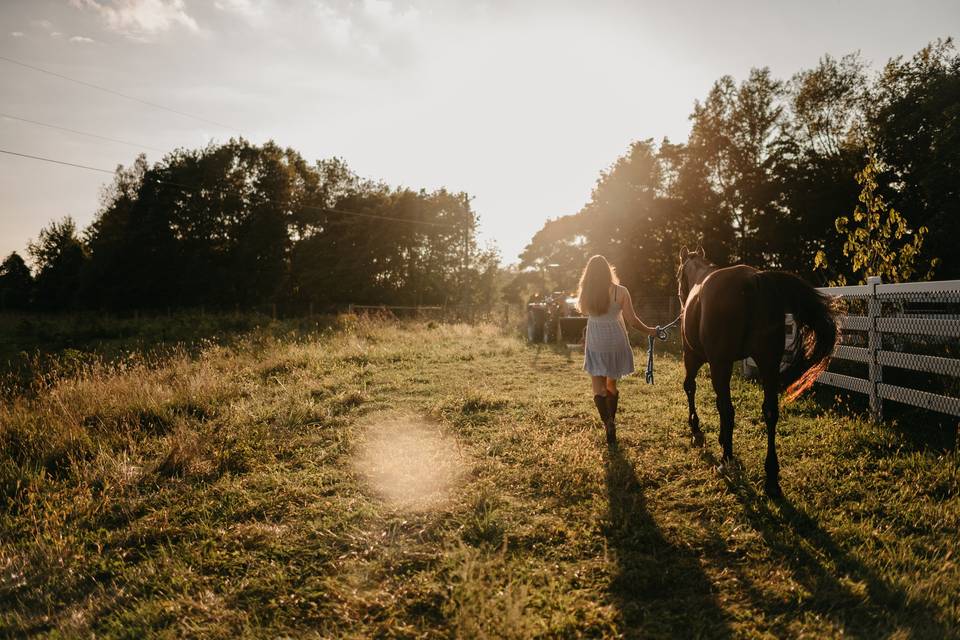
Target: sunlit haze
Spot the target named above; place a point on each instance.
(520, 105)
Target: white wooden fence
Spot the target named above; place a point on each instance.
(890, 322)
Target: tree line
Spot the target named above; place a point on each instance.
(836, 173)
(237, 225)
(830, 174)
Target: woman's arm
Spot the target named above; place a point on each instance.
(630, 316)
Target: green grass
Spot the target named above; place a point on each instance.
(413, 480)
(36, 345)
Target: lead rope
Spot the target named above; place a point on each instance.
(662, 334)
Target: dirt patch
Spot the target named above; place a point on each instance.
(409, 462)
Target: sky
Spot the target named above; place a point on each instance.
(520, 104)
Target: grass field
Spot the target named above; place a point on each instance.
(417, 480)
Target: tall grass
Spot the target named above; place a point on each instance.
(216, 488)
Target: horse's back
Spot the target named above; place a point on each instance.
(725, 292)
(725, 305)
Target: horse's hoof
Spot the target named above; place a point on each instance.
(697, 439)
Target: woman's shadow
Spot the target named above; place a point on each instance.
(659, 589)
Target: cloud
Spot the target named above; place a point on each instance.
(55, 34)
(16, 34)
(140, 19)
(375, 28)
(383, 13)
(335, 26)
(82, 40)
(251, 10)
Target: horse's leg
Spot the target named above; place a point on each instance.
(720, 373)
(770, 376)
(692, 364)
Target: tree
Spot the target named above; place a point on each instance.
(877, 238)
(696, 215)
(59, 257)
(828, 105)
(823, 148)
(737, 135)
(554, 257)
(211, 226)
(767, 168)
(915, 126)
(627, 219)
(16, 284)
(117, 246)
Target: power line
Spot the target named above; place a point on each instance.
(178, 112)
(197, 188)
(83, 133)
(118, 93)
(68, 164)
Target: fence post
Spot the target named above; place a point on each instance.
(874, 343)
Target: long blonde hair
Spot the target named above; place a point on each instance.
(593, 295)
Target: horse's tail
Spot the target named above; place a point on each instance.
(815, 315)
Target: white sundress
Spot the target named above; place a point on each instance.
(607, 350)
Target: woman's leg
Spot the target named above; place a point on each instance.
(600, 385)
(613, 396)
(611, 385)
(600, 397)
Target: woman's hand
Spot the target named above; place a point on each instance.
(644, 328)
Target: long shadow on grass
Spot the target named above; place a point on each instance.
(660, 589)
(817, 561)
(557, 348)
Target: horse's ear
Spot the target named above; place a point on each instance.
(701, 252)
(684, 253)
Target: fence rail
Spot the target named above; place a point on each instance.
(885, 328)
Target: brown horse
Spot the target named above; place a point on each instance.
(735, 312)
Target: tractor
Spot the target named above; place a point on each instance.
(555, 318)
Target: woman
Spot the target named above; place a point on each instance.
(607, 353)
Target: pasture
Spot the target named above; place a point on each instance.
(362, 478)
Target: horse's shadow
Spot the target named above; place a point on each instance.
(875, 608)
(659, 589)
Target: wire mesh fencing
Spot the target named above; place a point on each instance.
(900, 343)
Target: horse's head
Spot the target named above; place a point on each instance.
(691, 263)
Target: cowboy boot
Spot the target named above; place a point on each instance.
(611, 423)
(601, 402)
